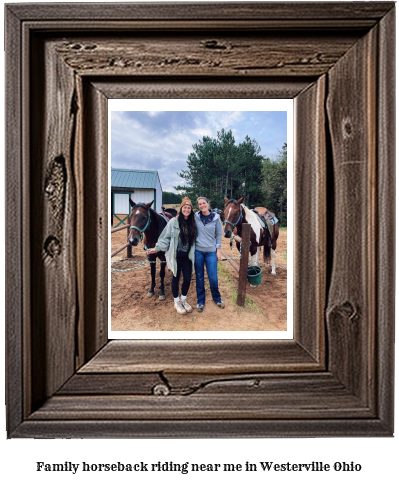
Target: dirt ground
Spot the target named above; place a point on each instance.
(131, 310)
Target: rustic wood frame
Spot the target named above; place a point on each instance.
(336, 376)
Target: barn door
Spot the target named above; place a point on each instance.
(121, 208)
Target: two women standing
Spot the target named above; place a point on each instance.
(192, 239)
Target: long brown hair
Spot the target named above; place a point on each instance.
(188, 228)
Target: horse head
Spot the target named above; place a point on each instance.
(140, 220)
(232, 215)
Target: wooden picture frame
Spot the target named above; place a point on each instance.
(335, 378)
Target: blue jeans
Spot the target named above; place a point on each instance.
(210, 260)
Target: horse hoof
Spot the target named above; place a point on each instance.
(150, 295)
(274, 273)
(162, 297)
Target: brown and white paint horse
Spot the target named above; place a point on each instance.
(235, 214)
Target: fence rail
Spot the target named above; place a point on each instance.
(116, 229)
(127, 245)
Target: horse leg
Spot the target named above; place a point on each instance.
(273, 253)
(257, 256)
(274, 245)
(152, 265)
(162, 276)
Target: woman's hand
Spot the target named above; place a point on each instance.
(218, 254)
(151, 251)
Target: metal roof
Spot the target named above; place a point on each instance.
(133, 178)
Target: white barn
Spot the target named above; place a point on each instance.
(140, 185)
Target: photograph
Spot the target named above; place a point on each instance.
(184, 185)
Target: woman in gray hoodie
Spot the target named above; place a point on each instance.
(207, 252)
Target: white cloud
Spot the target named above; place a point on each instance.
(163, 140)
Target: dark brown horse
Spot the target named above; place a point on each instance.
(235, 214)
(147, 225)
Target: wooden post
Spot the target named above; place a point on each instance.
(129, 248)
(242, 276)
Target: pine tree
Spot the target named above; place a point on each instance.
(218, 168)
(275, 184)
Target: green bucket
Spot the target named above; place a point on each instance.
(254, 274)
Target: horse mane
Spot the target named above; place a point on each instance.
(251, 217)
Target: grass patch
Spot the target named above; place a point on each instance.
(249, 304)
(225, 273)
(284, 255)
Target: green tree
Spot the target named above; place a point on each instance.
(218, 168)
(198, 175)
(275, 184)
(169, 198)
(249, 171)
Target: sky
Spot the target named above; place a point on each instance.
(162, 140)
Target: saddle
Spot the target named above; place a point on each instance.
(167, 216)
(267, 218)
(266, 214)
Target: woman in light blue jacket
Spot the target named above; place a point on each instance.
(207, 252)
(178, 242)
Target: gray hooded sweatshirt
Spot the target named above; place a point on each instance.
(209, 236)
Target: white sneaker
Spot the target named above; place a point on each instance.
(180, 308)
(186, 306)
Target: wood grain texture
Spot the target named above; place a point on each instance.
(276, 396)
(15, 258)
(343, 11)
(65, 62)
(351, 306)
(191, 428)
(95, 202)
(246, 54)
(200, 356)
(195, 87)
(385, 242)
(203, 407)
(131, 384)
(185, 384)
(78, 175)
(53, 212)
(310, 215)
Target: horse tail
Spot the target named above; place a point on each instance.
(266, 250)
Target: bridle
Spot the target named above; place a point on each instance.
(237, 222)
